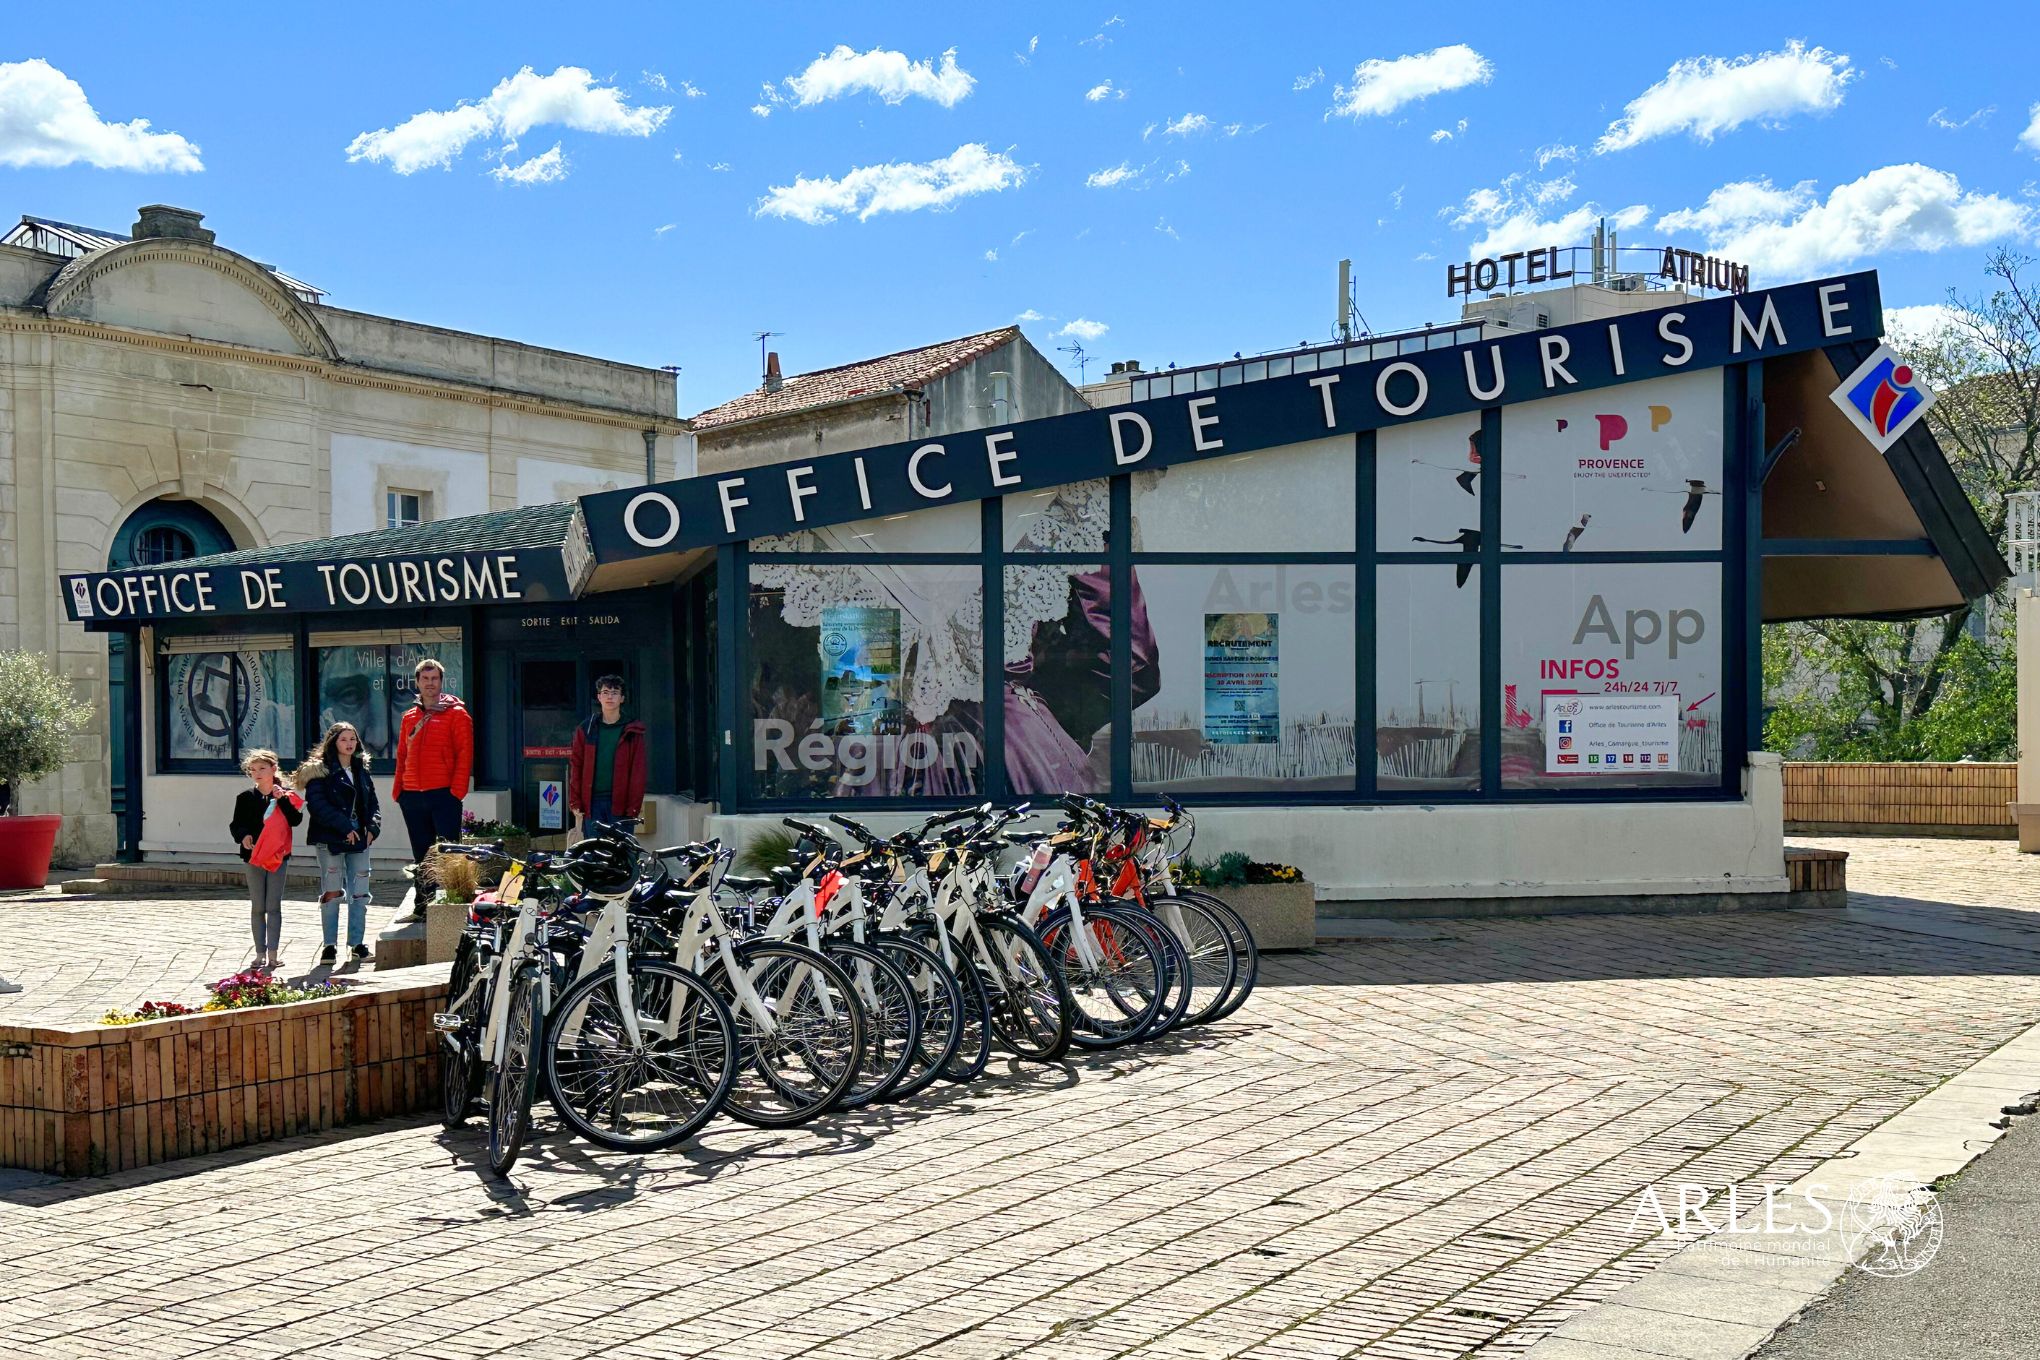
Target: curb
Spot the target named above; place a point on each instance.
(1724, 1296)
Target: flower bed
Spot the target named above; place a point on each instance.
(239, 992)
(1278, 904)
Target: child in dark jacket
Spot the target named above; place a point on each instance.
(346, 819)
(265, 886)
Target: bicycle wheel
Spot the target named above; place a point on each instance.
(1214, 967)
(1117, 979)
(460, 1068)
(892, 1030)
(938, 997)
(1175, 962)
(1031, 1010)
(656, 1092)
(974, 1043)
(1244, 949)
(800, 1033)
(513, 1082)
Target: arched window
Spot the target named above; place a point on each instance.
(163, 543)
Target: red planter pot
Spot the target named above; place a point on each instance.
(25, 847)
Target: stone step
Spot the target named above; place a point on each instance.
(231, 877)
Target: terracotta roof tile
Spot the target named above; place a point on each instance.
(867, 377)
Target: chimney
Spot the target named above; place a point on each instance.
(1117, 369)
(773, 382)
(1132, 366)
(162, 220)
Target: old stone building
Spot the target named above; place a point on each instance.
(163, 396)
(991, 378)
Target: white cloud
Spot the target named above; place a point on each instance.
(1422, 256)
(661, 231)
(1031, 315)
(890, 75)
(1789, 233)
(2030, 138)
(902, 186)
(1304, 82)
(1556, 151)
(1182, 169)
(1242, 130)
(657, 80)
(1148, 131)
(1111, 177)
(1020, 236)
(1381, 87)
(545, 168)
(1939, 118)
(1115, 19)
(1104, 90)
(1162, 226)
(1082, 329)
(688, 88)
(1926, 322)
(1704, 96)
(1447, 134)
(992, 255)
(46, 121)
(1512, 215)
(569, 97)
(720, 166)
(1189, 125)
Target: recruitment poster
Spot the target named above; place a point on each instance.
(860, 655)
(1242, 704)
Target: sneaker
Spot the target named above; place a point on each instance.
(327, 954)
(358, 952)
(8, 988)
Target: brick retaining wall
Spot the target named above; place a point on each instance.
(86, 1100)
(1963, 798)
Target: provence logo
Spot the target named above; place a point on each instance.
(1883, 398)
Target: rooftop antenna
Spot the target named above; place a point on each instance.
(761, 337)
(1075, 349)
(1345, 331)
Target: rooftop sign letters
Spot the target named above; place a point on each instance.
(1704, 271)
(1516, 269)
(422, 581)
(892, 479)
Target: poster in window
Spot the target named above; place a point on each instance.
(1242, 701)
(860, 651)
(353, 688)
(224, 702)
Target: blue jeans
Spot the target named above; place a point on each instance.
(601, 815)
(342, 873)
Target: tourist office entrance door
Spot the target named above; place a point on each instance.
(555, 694)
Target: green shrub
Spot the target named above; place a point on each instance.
(38, 717)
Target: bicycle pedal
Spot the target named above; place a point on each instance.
(446, 1022)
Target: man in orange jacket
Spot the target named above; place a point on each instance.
(435, 756)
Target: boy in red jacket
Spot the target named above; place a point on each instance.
(606, 772)
(435, 755)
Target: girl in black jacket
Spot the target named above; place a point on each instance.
(265, 886)
(346, 819)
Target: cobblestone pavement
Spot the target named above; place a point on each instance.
(76, 957)
(1412, 1148)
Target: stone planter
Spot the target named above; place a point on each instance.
(1281, 915)
(517, 847)
(85, 1100)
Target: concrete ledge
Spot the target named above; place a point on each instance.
(1331, 914)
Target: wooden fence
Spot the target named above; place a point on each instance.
(1963, 798)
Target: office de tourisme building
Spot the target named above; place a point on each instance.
(1471, 617)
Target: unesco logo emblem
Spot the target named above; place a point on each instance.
(1892, 1225)
(834, 641)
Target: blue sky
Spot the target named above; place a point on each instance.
(1176, 182)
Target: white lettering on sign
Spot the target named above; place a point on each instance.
(656, 538)
(1830, 309)
(1200, 421)
(1493, 389)
(998, 457)
(730, 504)
(921, 488)
(1414, 404)
(1324, 383)
(1121, 419)
(797, 490)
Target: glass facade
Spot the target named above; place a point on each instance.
(1242, 628)
(216, 704)
(369, 684)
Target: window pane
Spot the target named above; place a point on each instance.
(1247, 683)
(866, 681)
(1306, 363)
(1183, 383)
(1427, 678)
(1207, 379)
(1625, 469)
(1229, 376)
(943, 528)
(1058, 678)
(1628, 655)
(1297, 498)
(216, 699)
(1427, 486)
(371, 686)
(1070, 518)
(1257, 371)
(1278, 368)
